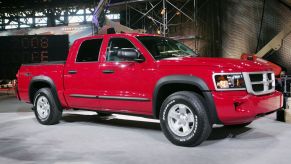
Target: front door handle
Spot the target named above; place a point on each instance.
(108, 71)
(72, 71)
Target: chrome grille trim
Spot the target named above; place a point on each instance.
(265, 82)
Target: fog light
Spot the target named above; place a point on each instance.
(238, 106)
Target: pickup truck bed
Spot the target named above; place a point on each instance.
(30, 72)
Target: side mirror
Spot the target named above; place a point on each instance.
(130, 54)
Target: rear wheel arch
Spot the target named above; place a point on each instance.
(39, 82)
(183, 83)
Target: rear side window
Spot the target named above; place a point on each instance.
(89, 50)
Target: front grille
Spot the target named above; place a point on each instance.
(259, 83)
(256, 77)
(258, 87)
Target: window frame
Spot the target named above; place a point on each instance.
(116, 37)
(98, 58)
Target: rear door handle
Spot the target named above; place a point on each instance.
(107, 71)
(72, 71)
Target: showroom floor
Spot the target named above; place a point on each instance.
(82, 137)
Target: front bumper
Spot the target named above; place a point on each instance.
(237, 107)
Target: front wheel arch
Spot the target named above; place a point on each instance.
(189, 83)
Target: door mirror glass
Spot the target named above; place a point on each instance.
(127, 54)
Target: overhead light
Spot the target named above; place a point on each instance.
(163, 11)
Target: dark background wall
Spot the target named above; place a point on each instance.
(241, 25)
(228, 28)
(277, 17)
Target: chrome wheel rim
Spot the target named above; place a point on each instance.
(43, 108)
(181, 120)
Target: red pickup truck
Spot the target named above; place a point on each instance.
(152, 76)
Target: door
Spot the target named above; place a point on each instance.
(81, 75)
(124, 82)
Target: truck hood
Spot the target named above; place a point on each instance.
(223, 63)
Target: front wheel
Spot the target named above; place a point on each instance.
(184, 119)
(46, 110)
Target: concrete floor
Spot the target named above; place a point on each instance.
(84, 138)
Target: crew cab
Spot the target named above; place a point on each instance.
(152, 76)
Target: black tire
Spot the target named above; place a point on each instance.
(43, 97)
(104, 114)
(201, 127)
(238, 125)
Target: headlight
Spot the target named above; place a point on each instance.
(229, 81)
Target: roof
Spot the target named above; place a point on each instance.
(117, 35)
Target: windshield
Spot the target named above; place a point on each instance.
(161, 47)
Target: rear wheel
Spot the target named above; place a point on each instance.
(46, 110)
(184, 120)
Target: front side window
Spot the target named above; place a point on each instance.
(115, 45)
(89, 50)
(161, 48)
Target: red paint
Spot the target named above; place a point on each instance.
(249, 105)
(133, 79)
(276, 68)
